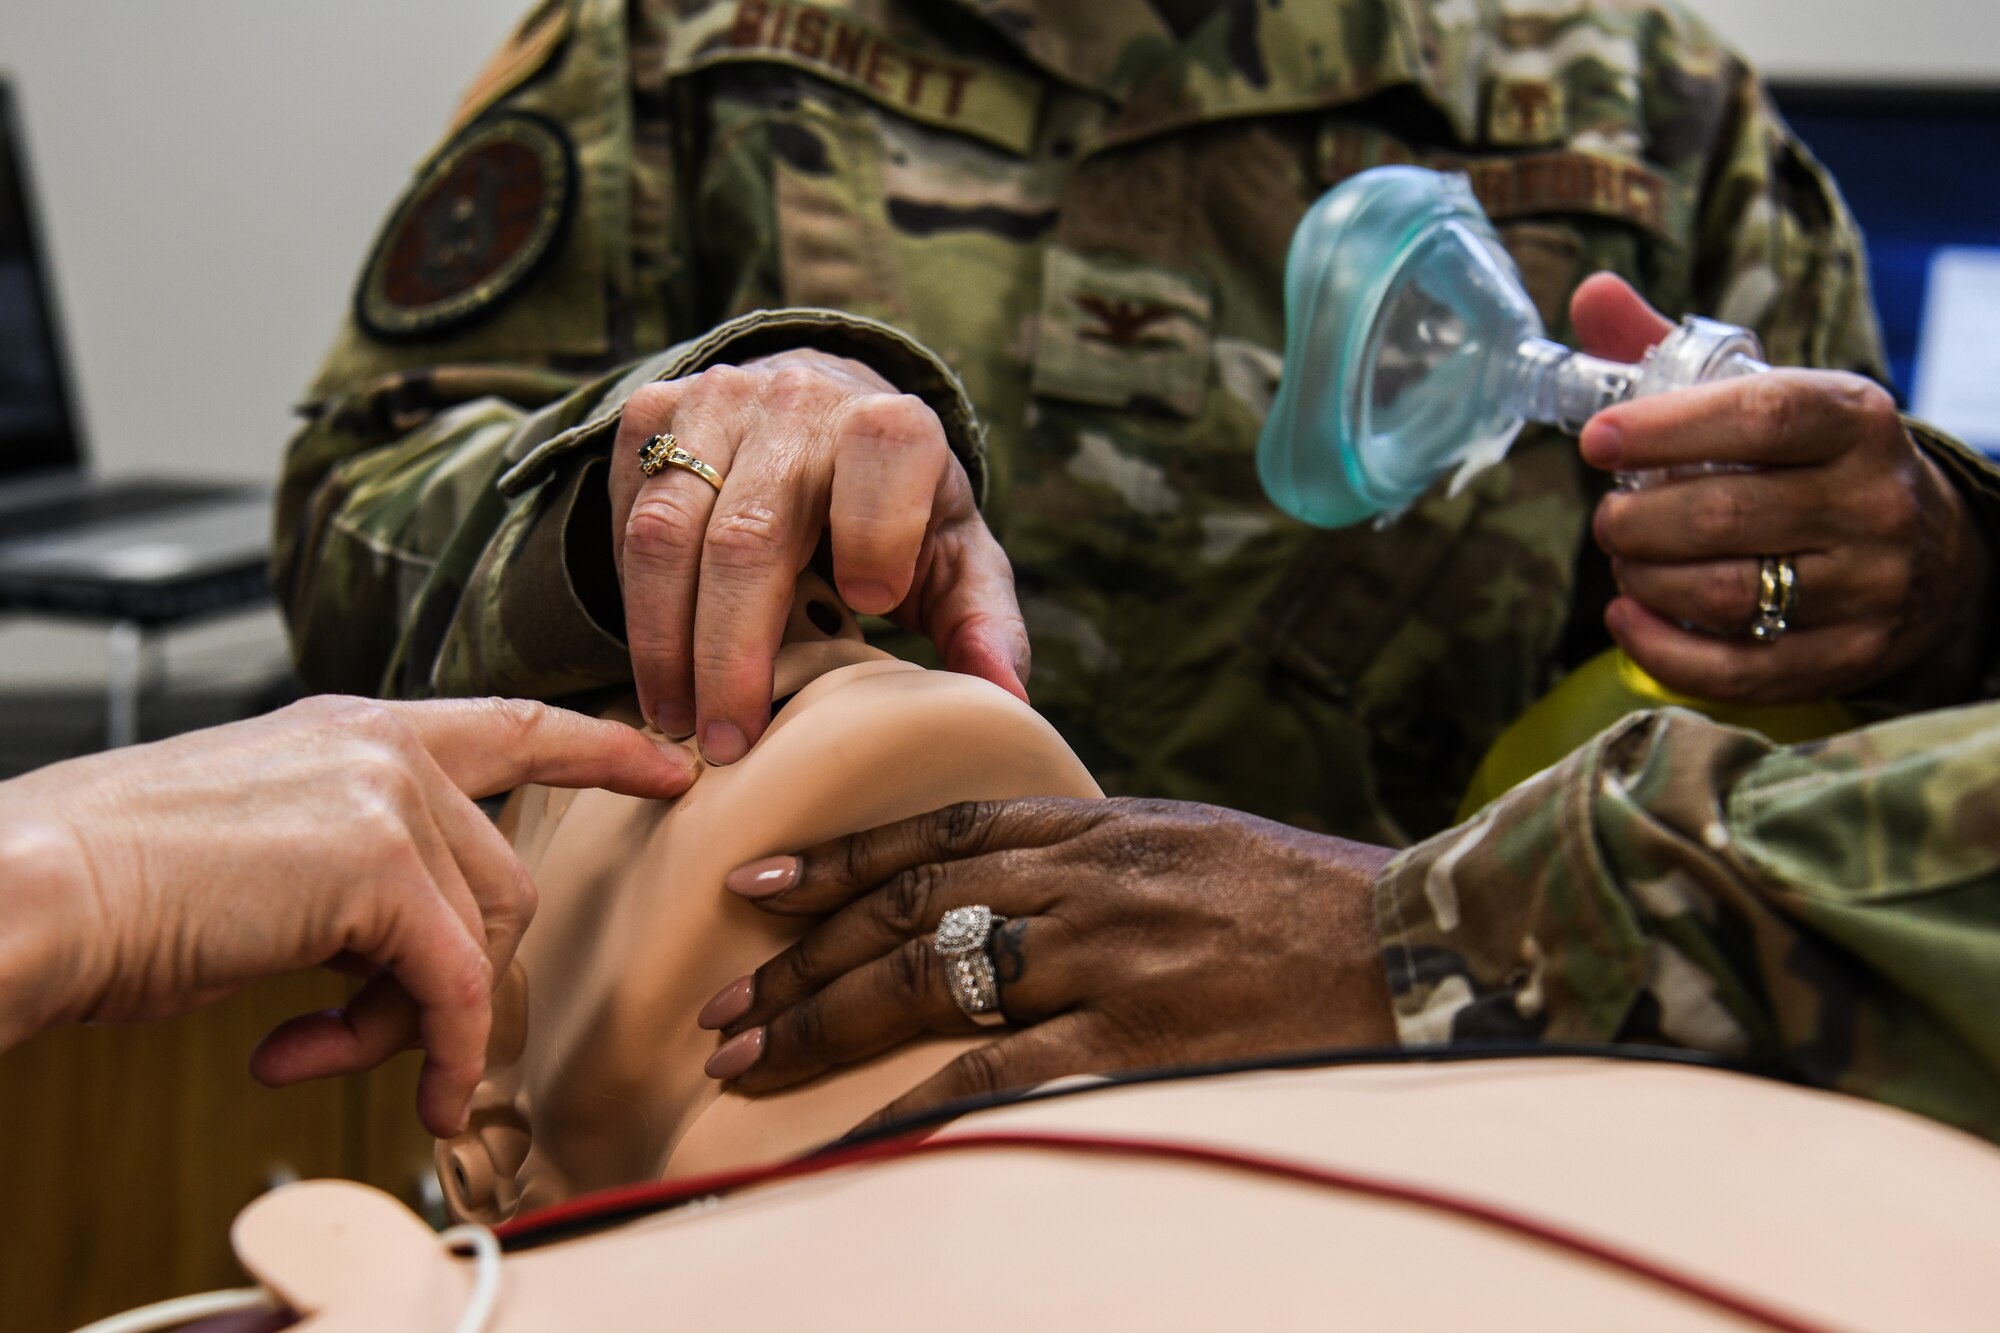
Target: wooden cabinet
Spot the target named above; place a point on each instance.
(126, 1152)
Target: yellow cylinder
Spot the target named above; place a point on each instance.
(1606, 688)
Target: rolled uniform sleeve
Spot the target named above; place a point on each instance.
(443, 523)
(1831, 911)
(446, 531)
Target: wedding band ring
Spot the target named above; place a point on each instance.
(1777, 598)
(961, 942)
(664, 451)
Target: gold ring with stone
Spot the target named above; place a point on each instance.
(664, 451)
(1777, 598)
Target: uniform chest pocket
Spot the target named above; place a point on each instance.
(1458, 580)
(790, 203)
(835, 244)
(1349, 589)
(811, 105)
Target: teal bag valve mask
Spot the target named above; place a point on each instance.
(1412, 351)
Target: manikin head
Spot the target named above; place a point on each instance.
(594, 1073)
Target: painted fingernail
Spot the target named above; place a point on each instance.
(734, 1057)
(871, 597)
(763, 879)
(730, 1003)
(677, 720)
(723, 743)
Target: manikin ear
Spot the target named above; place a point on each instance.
(480, 1167)
(350, 1258)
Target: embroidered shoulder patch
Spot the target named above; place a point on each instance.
(476, 224)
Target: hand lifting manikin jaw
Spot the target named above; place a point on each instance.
(595, 1070)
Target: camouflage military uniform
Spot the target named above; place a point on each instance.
(1063, 225)
(1832, 910)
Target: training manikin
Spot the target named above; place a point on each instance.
(595, 1079)
(594, 1073)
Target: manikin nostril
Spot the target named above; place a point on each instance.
(824, 618)
(472, 1172)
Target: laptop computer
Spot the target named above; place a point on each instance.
(149, 549)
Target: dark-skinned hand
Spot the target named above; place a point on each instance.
(1891, 570)
(1140, 934)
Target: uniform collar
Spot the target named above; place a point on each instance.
(1254, 57)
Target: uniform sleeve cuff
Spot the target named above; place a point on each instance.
(541, 633)
(897, 357)
(1500, 929)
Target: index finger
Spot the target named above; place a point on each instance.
(1781, 418)
(487, 746)
(838, 871)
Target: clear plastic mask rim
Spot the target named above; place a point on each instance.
(1455, 202)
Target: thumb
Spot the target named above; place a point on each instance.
(1612, 320)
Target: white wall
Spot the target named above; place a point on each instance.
(1940, 40)
(210, 173)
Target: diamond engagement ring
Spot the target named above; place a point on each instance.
(960, 942)
(1777, 598)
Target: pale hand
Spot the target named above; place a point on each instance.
(145, 882)
(806, 443)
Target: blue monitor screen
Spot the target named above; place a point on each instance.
(1920, 167)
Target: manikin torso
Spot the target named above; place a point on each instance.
(1845, 1214)
(594, 1072)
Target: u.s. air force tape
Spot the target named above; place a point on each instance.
(476, 224)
